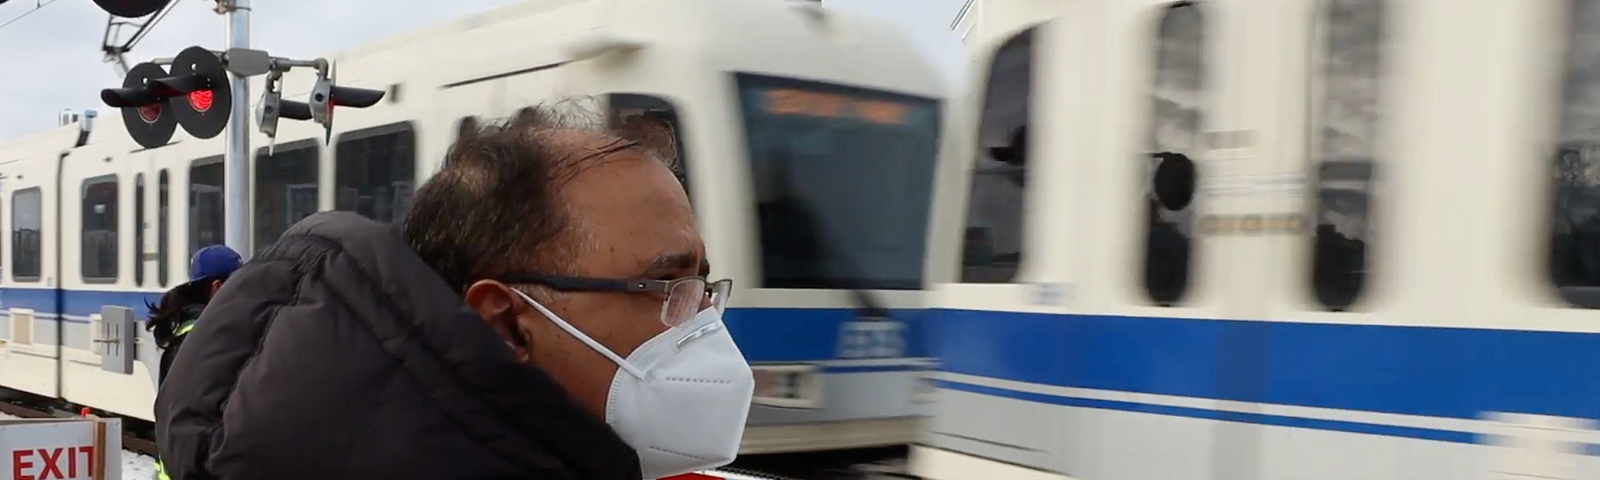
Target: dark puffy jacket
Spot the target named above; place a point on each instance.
(338, 354)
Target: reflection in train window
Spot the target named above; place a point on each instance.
(374, 171)
(138, 230)
(27, 231)
(654, 122)
(98, 231)
(992, 241)
(1575, 223)
(205, 204)
(1179, 100)
(162, 235)
(285, 189)
(1346, 89)
(842, 179)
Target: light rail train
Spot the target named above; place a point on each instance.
(1274, 240)
(796, 126)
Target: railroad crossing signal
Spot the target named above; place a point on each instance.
(129, 8)
(325, 95)
(195, 94)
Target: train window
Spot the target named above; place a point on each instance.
(1575, 223)
(1345, 131)
(842, 178)
(138, 230)
(27, 235)
(205, 204)
(98, 256)
(375, 171)
(1178, 98)
(654, 122)
(466, 127)
(285, 189)
(162, 235)
(992, 242)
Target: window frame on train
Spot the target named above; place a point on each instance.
(281, 177)
(1331, 259)
(109, 218)
(138, 229)
(18, 253)
(812, 193)
(1167, 288)
(980, 262)
(193, 225)
(163, 220)
(344, 162)
(1571, 245)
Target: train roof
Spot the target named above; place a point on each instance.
(781, 37)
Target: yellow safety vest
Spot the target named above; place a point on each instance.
(161, 470)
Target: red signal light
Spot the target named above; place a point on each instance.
(200, 100)
(150, 113)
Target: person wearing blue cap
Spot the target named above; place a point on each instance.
(173, 318)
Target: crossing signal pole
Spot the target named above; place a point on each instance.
(207, 92)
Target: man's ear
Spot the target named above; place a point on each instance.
(496, 305)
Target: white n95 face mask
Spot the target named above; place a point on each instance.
(681, 399)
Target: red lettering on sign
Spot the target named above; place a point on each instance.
(18, 464)
(51, 457)
(88, 455)
(50, 467)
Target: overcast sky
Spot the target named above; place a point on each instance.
(51, 57)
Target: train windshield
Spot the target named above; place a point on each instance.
(843, 182)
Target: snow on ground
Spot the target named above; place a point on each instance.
(134, 466)
(137, 467)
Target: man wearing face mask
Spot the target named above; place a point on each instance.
(542, 314)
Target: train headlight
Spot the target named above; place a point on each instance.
(787, 386)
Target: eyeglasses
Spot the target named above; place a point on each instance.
(683, 298)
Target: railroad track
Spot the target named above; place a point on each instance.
(130, 441)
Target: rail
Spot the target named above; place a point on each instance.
(130, 441)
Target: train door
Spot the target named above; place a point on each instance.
(1194, 252)
(143, 209)
(1315, 125)
(30, 358)
(1242, 188)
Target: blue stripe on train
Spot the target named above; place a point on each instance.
(1428, 371)
(765, 334)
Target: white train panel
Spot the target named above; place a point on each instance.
(1365, 284)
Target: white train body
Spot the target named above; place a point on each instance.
(750, 84)
(1297, 320)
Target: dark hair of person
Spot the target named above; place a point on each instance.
(494, 207)
(168, 314)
